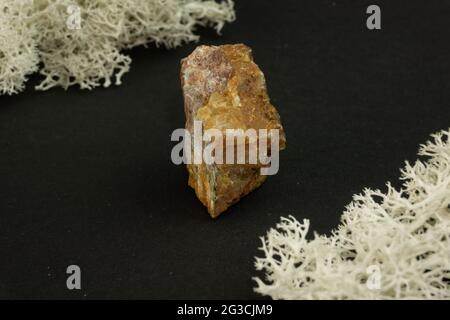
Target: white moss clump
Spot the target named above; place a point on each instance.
(393, 245)
(18, 54)
(34, 31)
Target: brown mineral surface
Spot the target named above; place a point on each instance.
(225, 89)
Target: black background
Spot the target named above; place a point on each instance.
(86, 177)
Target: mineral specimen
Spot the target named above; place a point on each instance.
(224, 89)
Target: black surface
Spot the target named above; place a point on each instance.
(86, 177)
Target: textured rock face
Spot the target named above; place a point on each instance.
(225, 89)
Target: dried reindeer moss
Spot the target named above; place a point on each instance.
(18, 52)
(39, 31)
(402, 235)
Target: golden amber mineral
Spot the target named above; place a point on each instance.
(224, 89)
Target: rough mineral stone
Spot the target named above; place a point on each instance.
(225, 89)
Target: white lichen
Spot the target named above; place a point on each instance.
(18, 53)
(389, 245)
(39, 34)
